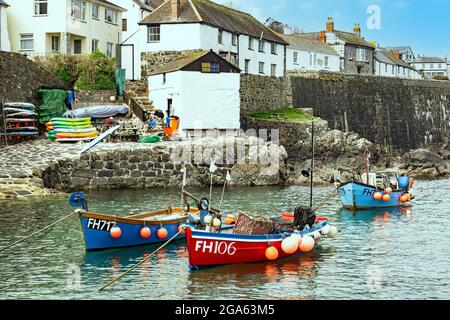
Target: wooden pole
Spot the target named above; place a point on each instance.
(138, 264)
(312, 165)
(39, 231)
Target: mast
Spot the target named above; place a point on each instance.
(312, 165)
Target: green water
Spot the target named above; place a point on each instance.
(395, 254)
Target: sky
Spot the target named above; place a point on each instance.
(424, 25)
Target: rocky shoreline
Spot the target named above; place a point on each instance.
(42, 168)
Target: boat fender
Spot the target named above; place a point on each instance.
(411, 183)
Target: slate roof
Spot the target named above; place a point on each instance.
(353, 39)
(149, 5)
(220, 16)
(3, 3)
(110, 4)
(185, 60)
(382, 55)
(310, 45)
(429, 60)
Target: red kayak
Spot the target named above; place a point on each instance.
(208, 249)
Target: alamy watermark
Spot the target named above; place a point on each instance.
(374, 19)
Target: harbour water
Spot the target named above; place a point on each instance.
(380, 254)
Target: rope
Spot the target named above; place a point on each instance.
(39, 231)
(138, 264)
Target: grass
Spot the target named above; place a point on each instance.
(289, 114)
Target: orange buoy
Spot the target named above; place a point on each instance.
(230, 221)
(162, 233)
(408, 196)
(403, 198)
(307, 244)
(388, 190)
(145, 232)
(181, 229)
(271, 253)
(386, 198)
(378, 196)
(289, 245)
(115, 232)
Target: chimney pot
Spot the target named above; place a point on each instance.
(330, 25)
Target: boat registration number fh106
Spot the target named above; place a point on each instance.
(215, 247)
(100, 225)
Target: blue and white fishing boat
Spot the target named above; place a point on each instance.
(371, 190)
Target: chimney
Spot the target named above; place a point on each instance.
(395, 54)
(330, 25)
(175, 8)
(323, 36)
(357, 29)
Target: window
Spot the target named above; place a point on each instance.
(247, 65)
(95, 11)
(234, 39)
(431, 65)
(208, 67)
(26, 42)
(261, 67)
(220, 39)
(78, 9)
(164, 78)
(94, 45)
(439, 66)
(350, 55)
(310, 59)
(393, 69)
(362, 55)
(273, 48)
(295, 57)
(77, 46)
(40, 7)
(385, 67)
(273, 70)
(326, 61)
(111, 16)
(261, 45)
(154, 34)
(314, 59)
(251, 43)
(55, 43)
(109, 49)
(124, 25)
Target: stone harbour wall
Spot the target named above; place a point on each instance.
(396, 113)
(85, 98)
(140, 166)
(262, 94)
(150, 61)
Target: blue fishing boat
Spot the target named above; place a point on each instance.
(102, 232)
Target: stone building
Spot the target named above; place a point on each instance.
(4, 37)
(180, 25)
(356, 54)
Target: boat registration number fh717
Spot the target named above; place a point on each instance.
(215, 247)
(100, 225)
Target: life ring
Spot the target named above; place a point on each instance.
(411, 183)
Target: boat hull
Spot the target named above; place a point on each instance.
(214, 249)
(359, 196)
(96, 230)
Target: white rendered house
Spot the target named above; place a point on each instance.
(131, 45)
(201, 88)
(179, 25)
(388, 64)
(4, 36)
(46, 27)
(305, 54)
(431, 66)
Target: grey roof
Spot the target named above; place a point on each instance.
(149, 5)
(429, 60)
(399, 48)
(382, 55)
(211, 13)
(3, 3)
(347, 37)
(297, 42)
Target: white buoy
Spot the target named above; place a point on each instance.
(208, 219)
(333, 232)
(297, 238)
(317, 235)
(216, 223)
(326, 229)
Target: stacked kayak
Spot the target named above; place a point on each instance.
(20, 120)
(70, 130)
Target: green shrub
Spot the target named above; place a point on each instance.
(64, 67)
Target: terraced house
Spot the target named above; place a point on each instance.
(47, 27)
(179, 25)
(4, 37)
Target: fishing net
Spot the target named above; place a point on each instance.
(52, 104)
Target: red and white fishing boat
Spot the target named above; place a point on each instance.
(207, 249)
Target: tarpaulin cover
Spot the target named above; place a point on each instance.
(52, 104)
(104, 111)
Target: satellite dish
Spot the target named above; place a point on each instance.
(305, 173)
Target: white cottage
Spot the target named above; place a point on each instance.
(179, 25)
(431, 66)
(201, 88)
(389, 64)
(305, 54)
(51, 27)
(4, 37)
(131, 45)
